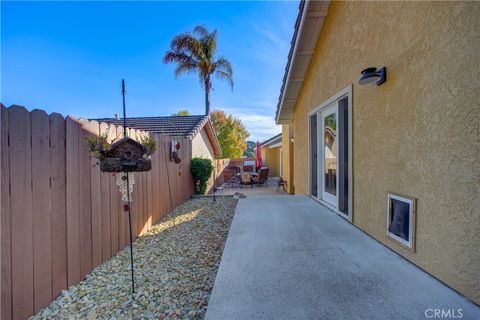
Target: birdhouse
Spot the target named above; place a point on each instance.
(125, 155)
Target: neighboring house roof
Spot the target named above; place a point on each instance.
(273, 142)
(308, 25)
(175, 126)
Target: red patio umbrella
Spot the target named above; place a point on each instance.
(258, 156)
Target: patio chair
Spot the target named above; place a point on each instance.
(262, 176)
(231, 179)
(248, 168)
(233, 168)
(281, 183)
(246, 179)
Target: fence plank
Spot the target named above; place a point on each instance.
(21, 212)
(6, 264)
(114, 201)
(58, 203)
(72, 191)
(105, 207)
(121, 214)
(42, 246)
(85, 210)
(96, 201)
(160, 190)
(133, 134)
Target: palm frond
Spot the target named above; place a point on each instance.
(185, 67)
(223, 70)
(222, 75)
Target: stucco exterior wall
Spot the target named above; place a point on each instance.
(201, 146)
(418, 134)
(287, 157)
(271, 159)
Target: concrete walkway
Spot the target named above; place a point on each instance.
(288, 257)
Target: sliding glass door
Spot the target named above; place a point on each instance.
(330, 157)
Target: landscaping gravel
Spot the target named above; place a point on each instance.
(175, 266)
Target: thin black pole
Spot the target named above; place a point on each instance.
(128, 189)
(124, 110)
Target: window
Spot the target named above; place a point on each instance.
(401, 219)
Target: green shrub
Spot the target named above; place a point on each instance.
(201, 172)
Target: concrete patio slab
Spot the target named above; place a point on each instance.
(288, 257)
(267, 189)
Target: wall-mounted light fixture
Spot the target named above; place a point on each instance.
(371, 75)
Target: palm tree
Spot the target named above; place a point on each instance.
(195, 52)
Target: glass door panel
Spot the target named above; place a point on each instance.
(330, 154)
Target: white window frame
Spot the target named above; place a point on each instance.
(347, 91)
(410, 244)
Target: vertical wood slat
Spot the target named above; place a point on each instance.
(150, 198)
(114, 207)
(148, 215)
(133, 134)
(96, 202)
(153, 187)
(58, 203)
(42, 246)
(72, 191)
(120, 212)
(6, 254)
(21, 212)
(161, 177)
(84, 162)
(105, 206)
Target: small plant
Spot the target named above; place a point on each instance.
(201, 172)
(149, 144)
(100, 146)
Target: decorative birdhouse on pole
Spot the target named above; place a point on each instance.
(125, 155)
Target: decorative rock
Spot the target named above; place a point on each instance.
(175, 266)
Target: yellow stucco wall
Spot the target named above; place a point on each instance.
(418, 134)
(287, 156)
(271, 159)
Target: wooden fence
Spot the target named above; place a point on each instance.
(218, 175)
(60, 216)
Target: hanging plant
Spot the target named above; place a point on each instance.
(122, 187)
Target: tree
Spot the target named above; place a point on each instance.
(250, 150)
(195, 53)
(181, 113)
(231, 134)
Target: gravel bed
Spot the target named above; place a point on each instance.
(175, 266)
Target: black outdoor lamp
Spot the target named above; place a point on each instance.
(371, 75)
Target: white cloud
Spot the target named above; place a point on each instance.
(260, 126)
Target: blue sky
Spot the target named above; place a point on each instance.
(70, 57)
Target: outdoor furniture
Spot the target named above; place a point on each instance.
(230, 177)
(248, 168)
(262, 176)
(233, 181)
(246, 179)
(281, 183)
(234, 169)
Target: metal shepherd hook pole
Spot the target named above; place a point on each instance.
(128, 188)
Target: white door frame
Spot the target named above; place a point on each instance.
(347, 91)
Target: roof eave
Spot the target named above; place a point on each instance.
(308, 26)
